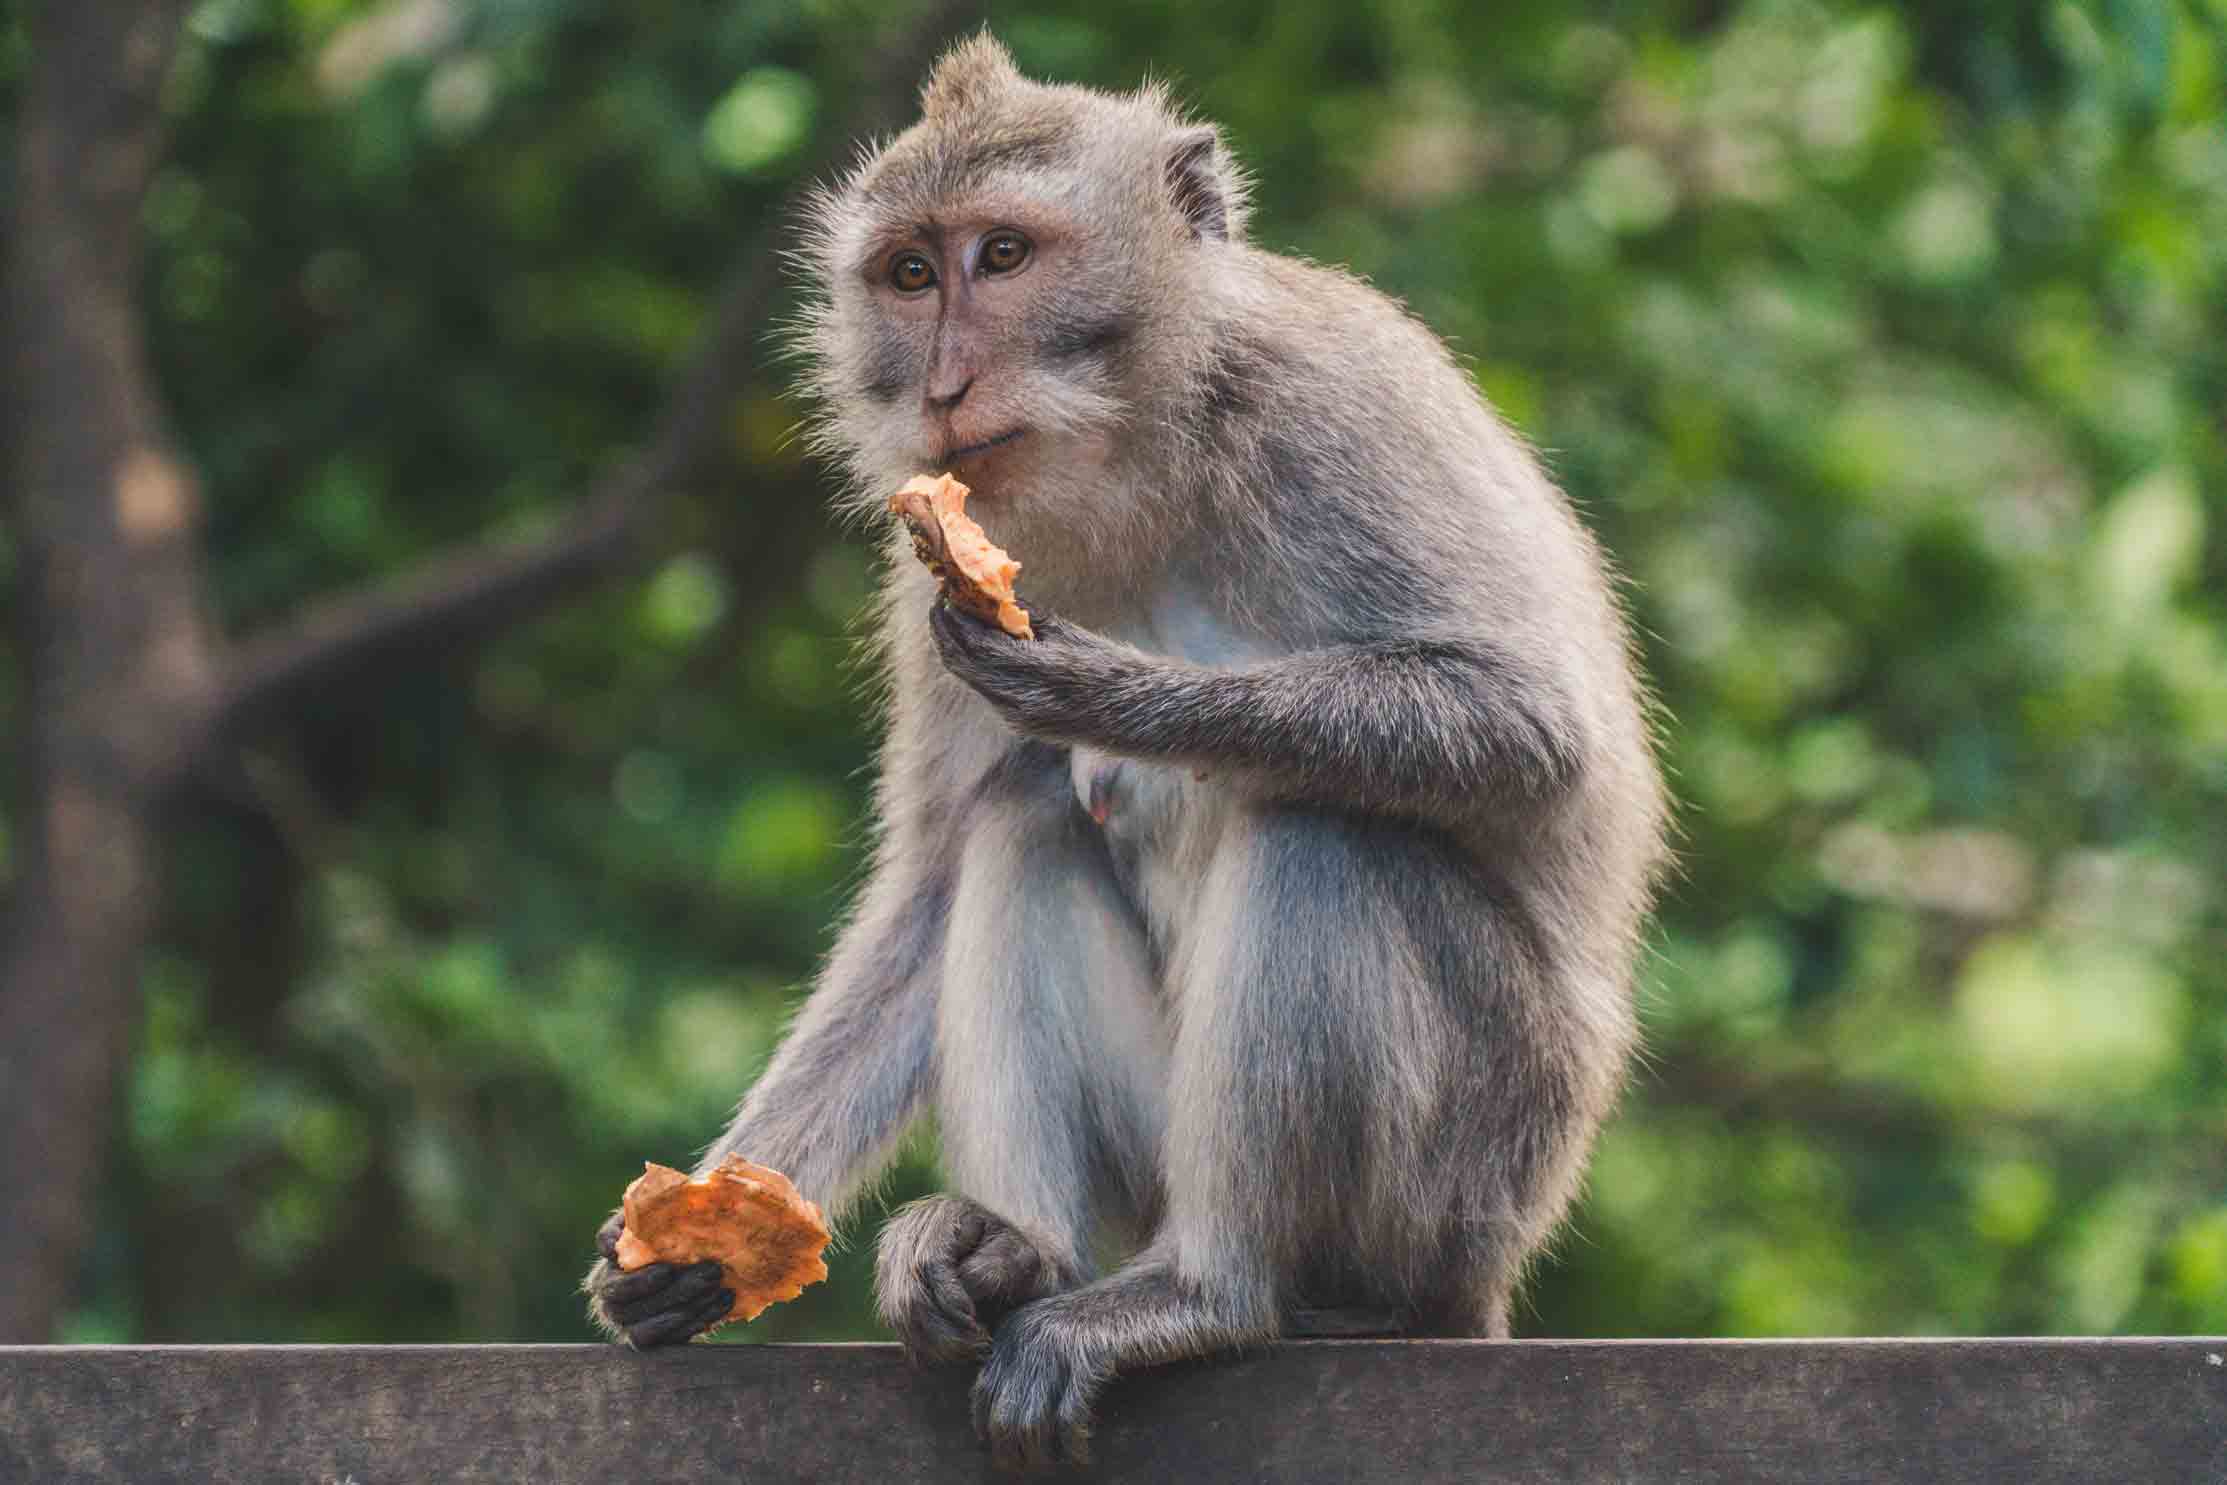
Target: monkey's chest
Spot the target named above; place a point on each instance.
(1160, 824)
(1146, 815)
(1132, 803)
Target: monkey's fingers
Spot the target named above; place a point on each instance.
(972, 1224)
(957, 605)
(1005, 1266)
(946, 1327)
(680, 1325)
(657, 1289)
(607, 1236)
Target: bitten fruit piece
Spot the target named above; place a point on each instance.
(766, 1236)
(976, 576)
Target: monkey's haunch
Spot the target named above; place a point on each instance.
(977, 576)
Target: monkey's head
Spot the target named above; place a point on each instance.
(1014, 289)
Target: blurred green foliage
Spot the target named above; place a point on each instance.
(1885, 346)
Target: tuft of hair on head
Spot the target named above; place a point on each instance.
(968, 75)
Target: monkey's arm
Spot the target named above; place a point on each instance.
(1421, 727)
(854, 1066)
(848, 1077)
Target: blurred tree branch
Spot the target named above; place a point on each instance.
(129, 687)
(466, 596)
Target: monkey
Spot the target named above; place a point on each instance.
(1262, 934)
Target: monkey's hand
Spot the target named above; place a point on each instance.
(947, 1269)
(656, 1304)
(1047, 686)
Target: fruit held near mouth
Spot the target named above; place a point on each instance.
(766, 1237)
(977, 576)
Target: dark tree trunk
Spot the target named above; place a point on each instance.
(128, 688)
(114, 633)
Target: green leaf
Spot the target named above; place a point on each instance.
(763, 120)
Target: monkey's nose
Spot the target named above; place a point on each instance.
(945, 401)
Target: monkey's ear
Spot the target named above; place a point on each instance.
(967, 75)
(1204, 184)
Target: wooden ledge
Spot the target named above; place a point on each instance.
(1863, 1412)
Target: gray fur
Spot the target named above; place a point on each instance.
(1279, 904)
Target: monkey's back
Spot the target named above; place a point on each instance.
(1386, 499)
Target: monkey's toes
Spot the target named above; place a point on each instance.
(1035, 1399)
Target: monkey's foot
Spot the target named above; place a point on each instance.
(1036, 1396)
(947, 1268)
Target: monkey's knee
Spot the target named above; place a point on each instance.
(948, 1269)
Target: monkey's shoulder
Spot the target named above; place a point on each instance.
(1336, 327)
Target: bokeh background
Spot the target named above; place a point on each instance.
(1885, 345)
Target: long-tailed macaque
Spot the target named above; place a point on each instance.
(1276, 909)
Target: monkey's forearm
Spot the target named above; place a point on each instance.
(856, 1064)
(1404, 725)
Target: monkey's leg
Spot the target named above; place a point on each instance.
(1364, 1084)
(1051, 1064)
(850, 1074)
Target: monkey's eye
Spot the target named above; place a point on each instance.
(909, 273)
(1003, 252)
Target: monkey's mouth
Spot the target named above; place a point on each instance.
(966, 451)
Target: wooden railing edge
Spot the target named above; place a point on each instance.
(2025, 1409)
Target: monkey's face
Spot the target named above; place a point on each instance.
(986, 333)
(992, 325)
(1014, 290)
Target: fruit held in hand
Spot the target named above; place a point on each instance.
(766, 1237)
(977, 575)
